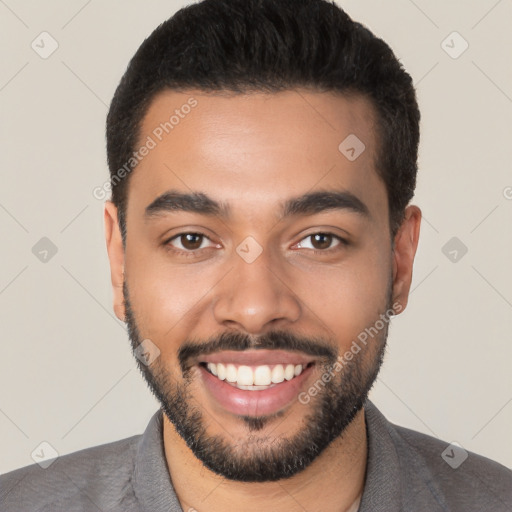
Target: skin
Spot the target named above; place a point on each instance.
(254, 151)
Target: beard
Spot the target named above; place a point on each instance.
(264, 458)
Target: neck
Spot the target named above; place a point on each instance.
(333, 482)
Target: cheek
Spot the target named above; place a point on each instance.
(345, 299)
(166, 298)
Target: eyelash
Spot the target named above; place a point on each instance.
(193, 253)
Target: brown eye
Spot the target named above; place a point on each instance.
(321, 240)
(188, 242)
(191, 241)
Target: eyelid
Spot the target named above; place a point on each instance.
(167, 242)
(341, 241)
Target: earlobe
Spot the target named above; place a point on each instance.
(115, 252)
(406, 243)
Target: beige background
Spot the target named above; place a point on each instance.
(67, 376)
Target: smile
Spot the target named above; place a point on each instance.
(254, 382)
(254, 378)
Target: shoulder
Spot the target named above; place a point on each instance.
(464, 478)
(409, 470)
(99, 475)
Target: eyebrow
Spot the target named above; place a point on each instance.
(306, 204)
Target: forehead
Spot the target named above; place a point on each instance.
(253, 150)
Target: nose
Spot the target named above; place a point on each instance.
(256, 297)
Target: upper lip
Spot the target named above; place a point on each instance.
(256, 357)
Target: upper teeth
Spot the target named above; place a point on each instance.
(255, 376)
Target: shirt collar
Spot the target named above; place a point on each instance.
(397, 477)
(151, 481)
(382, 484)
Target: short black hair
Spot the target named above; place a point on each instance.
(248, 46)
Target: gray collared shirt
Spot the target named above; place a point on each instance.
(406, 471)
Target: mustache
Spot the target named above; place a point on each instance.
(274, 340)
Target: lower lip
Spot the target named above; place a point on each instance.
(253, 403)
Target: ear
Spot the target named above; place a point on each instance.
(115, 252)
(406, 243)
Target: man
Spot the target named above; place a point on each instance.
(262, 157)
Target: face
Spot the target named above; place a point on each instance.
(259, 267)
